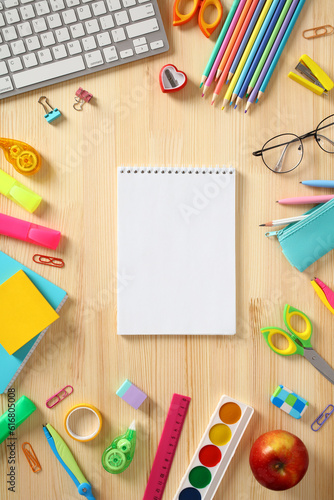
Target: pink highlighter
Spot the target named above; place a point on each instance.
(27, 231)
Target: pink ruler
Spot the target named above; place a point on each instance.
(167, 445)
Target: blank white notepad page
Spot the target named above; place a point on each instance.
(176, 251)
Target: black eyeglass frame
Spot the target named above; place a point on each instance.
(313, 133)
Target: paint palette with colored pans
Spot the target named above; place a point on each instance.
(215, 451)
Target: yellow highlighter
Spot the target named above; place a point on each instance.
(325, 294)
(317, 80)
(17, 192)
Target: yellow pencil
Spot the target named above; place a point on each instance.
(245, 55)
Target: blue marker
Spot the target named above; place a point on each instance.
(319, 184)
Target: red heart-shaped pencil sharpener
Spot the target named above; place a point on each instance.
(171, 79)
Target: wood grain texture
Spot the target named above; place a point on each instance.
(131, 122)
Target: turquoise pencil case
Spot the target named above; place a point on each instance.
(304, 242)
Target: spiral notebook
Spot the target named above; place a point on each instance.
(176, 251)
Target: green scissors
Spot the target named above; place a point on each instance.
(298, 342)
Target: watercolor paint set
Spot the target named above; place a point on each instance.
(215, 451)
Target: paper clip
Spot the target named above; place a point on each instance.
(48, 261)
(81, 96)
(31, 457)
(51, 115)
(318, 32)
(323, 417)
(59, 396)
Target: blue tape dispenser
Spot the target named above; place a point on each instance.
(51, 114)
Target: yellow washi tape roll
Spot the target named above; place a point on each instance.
(83, 407)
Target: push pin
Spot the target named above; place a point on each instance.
(81, 96)
(51, 115)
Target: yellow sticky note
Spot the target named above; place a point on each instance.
(24, 312)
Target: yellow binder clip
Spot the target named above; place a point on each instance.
(318, 81)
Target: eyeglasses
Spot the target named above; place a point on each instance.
(283, 153)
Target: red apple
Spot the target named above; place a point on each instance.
(279, 460)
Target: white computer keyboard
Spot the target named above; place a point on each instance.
(49, 41)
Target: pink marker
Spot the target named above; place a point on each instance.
(306, 200)
(27, 231)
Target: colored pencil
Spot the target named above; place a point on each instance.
(222, 49)
(219, 41)
(306, 200)
(283, 222)
(320, 184)
(240, 29)
(270, 43)
(271, 55)
(244, 80)
(280, 49)
(245, 39)
(263, 19)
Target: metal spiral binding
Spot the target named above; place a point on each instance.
(177, 170)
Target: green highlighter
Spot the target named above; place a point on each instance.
(118, 456)
(15, 415)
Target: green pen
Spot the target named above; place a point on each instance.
(219, 41)
(118, 456)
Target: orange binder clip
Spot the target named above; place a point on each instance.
(31, 457)
(206, 28)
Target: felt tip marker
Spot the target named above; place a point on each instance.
(27, 231)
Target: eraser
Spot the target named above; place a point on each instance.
(131, 394)
(289, 401)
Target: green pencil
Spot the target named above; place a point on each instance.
(268, 47)
(219, 41)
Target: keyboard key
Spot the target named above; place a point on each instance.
(1, 6)
(33, 43)
(141, 49)
(77, 30)
(42, 8)
(110, 54)
(129, 3)
(126, 53)
(18, 47)
(59, 52)
(94, 59)
(156, 45)
(118, 35)
(99, 8)
(27, 1)
(142, 28)
(24, 29)
(92, 26)
(121, 18)
(74, 47)
(107, 22)
(139, 41)
(5, 85)
(141, 12)
(2, 21)
(69, 16)
(62, 35)
(48, 39)
(9, 33)
(12, 16)
(27, 12)
(48, 71)
(57, 5)
(84, 12)
(142, 1)
(113, 5)
(15, 64)
(3, 68)
(103, 39)
(29, 60)
(89, 43)
(44, 56)
(11, 3)
(54, 21)
(72, 3)
(39, 25)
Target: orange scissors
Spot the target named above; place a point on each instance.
(206, 28)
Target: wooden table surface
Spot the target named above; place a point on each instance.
(131, 122)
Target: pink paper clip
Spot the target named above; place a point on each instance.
(81, 96)
(59, 396)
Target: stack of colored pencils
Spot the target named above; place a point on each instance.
(248, 48)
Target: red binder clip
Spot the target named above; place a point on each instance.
(81, 96)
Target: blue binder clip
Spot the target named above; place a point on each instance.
(51, 114)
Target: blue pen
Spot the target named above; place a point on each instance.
(255, 46)
(319, 184)
(65, 457)
(240, 92)
(245, 39)
(280, 49)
